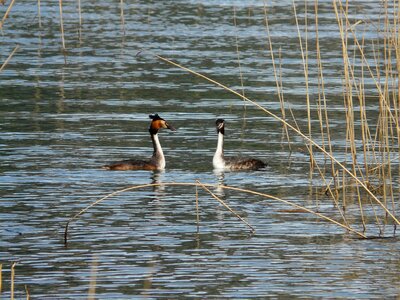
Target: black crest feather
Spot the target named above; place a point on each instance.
(155, 117)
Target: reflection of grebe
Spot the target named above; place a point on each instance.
(220, 175)
(232, 163)
(157, 178)
(157, 161)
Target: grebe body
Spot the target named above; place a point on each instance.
(157, 161)
(232, 163)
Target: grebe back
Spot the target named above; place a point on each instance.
(157, 161)
(232, 163)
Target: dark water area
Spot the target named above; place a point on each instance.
(63, 114)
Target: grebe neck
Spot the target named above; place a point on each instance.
(218, 159)
(158, 155)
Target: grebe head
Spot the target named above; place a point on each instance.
(220, 124)
(157, 123)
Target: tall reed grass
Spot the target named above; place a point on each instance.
(369, 174)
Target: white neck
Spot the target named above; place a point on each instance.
(218, 159)
(158, 155)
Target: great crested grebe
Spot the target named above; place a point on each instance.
(157, 161)
(232, 163)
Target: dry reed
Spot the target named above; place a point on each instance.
(122, 15)
(28, 295)
(226, 206)
(387, 132)
(278, 80)
(197, 210)
(80, 19)
(93, 278)
(12, 280)
(60, 4)
(304, 58)
(9, 58)
(251, 192)
(6, 14)
(388, 123)
(39, 15)
(238, 53)
(379, 149)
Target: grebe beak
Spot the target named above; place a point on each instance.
(170, 127)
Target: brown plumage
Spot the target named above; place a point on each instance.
(239, 163)
(157, 161)
(131, 164)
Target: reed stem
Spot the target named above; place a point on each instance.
(80, 19)
(122, 15)
(6, 14)
(9, 58)
(238, 53)
(278, 80)
(226, 206)
(197, 210)
(28, 295)
(62, 24)
(39, 15)
(12, 280)
(304, 57)
(93, 278)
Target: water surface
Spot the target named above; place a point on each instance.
(63, 117)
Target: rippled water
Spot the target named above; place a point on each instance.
(63, 117)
